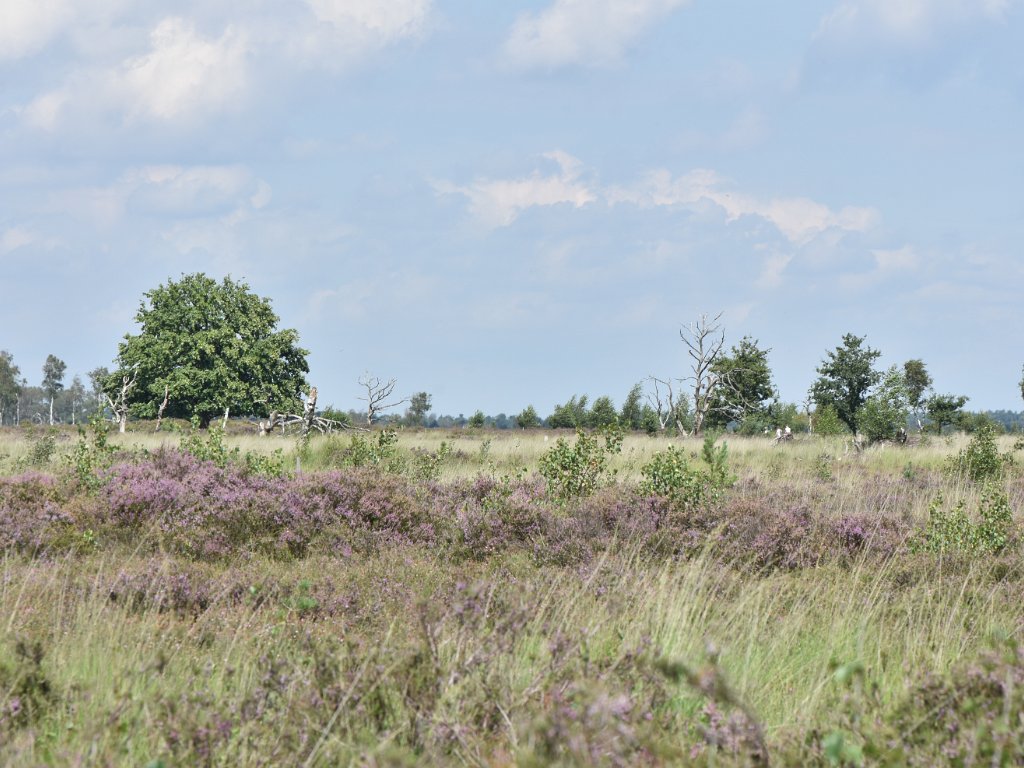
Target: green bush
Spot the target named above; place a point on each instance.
(952, 530)
(575, 470)
(669, 474)
(827, 422)
(980, 461)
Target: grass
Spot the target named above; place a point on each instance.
(118, 650)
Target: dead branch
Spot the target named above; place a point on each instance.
(704, 340)
(378, 394)
(667, 409)
(119, 405)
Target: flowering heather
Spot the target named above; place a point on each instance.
(172, 500)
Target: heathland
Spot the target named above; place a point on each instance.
(516, 598)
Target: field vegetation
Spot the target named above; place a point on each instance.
(517, 598)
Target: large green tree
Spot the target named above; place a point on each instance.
(213, 346)
(885, 412)
(945, 411)
(53, 379)
(10, 387)
(844, 378)
(419, 407)
(917, 381)
(745, 384)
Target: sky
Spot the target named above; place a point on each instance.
(510, 203)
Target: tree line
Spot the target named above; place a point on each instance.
(208, 350)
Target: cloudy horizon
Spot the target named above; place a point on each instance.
(511, 205)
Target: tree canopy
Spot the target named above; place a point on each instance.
(213, 346)
(844, 378)
(746, 383)
(10, 388)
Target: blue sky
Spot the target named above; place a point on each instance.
(505, 204)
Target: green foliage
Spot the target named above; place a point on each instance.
(885, 412)
(214, 346)
(576, 469)
(336, 414)
(212, 448)
(92, 453)
(527, 418)
(827, 421)
(917, 380)
(419, 407)
(980, 461)
(823, 466)
(9, 386)
(477, 420)
(381, 451)
(746, 386)
(952, 530)
(631, 415)
(426, 465)
(945, 411)
(717, 461)
(670, 475)
(649, 420)
(572, 415)
(845, 377)
(42, 445)
(602, 413)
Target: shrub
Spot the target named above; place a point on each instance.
(980, 460)
(669, 474)
(575, 470)
(952, 530)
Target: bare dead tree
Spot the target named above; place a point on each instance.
(308, 419)
(163, 407)
(668, 405)
(704, 340)
(119, 404)
(378, 396)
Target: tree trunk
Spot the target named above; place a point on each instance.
(163, 406)
(309, 412)
(51, 410)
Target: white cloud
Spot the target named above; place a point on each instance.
(184, 74)
(26, 26)
(498, 203)
(348, 30)
(904, 21)
(184, 68)
(588, 32)
(799, 219)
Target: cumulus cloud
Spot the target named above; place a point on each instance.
(499, 202)
(186, 68)
(184, 74)
(587, 32)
